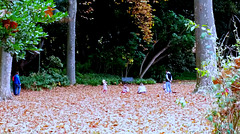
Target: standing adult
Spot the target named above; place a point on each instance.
(16, 84)
(168, 82)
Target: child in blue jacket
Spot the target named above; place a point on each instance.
(16, 84)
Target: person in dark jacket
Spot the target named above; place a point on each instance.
(16, 84)
(168, 82)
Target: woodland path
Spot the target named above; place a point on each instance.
(85, 109)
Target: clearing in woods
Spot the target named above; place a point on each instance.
(85, 109)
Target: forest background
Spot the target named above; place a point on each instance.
(114, 39)
(109, 41)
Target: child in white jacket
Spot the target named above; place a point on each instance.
(104, 86)
(141, 89)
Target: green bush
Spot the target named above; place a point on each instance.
(144, 81)
(96, 79)
(225, 113)
(37, 81)
(185, 76)
(158, 73)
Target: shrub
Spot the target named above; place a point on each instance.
(185, 76)
(144, 81)
(37, 81)
(96, 79)
(158, 73)
(225, 114)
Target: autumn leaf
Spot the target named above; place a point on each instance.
(13, 24)
(7, 26)
(49, 12)
(217, 81)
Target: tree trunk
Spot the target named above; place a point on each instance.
(205, 45)
(145, 58)
(5, 74)
(71, 41)
(153, 59)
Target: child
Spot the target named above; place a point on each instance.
(164, 86)
(104, 86)
(16, 84)
(141, 89)
(125, 88)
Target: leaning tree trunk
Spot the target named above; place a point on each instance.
(71, 41)
(5, 74)
(205, 43)
(153, 59)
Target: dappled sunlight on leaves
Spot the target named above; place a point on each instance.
(85, 109)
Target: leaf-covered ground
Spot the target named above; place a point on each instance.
(85, 109)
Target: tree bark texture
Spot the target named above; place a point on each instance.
(5, 74)
(71, 41)
(205, 45)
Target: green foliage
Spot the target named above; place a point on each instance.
(181, 102)
(96, 79)
(119, 57)
(179, 31)
(54, 62)
(144, 81)
(30, 16)
(50, 79)
(185, 76)
(85, 67)
(225, 114)
(54, 76)
(158, 73)
(203, 71)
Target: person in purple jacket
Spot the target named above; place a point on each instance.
(16, 84)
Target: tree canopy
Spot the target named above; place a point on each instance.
(114, 36)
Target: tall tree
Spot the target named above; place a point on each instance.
(20, 31)
(205, 44)
(5, 74)
(71, 41)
